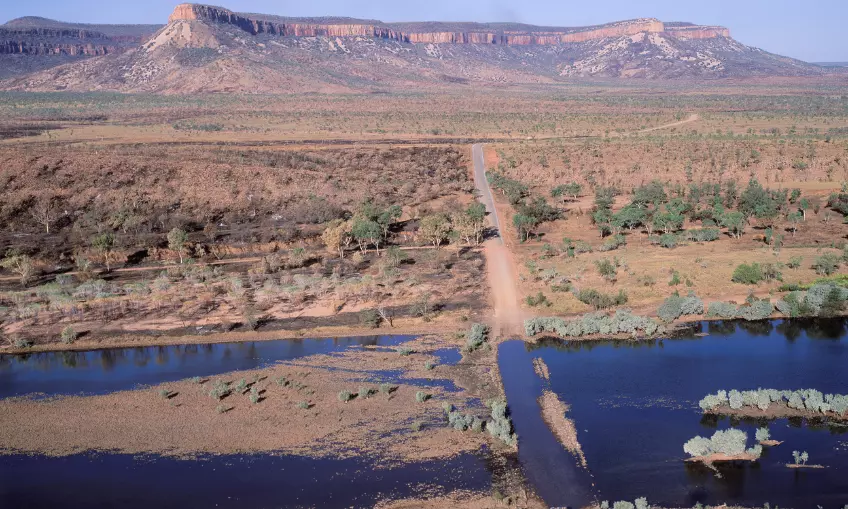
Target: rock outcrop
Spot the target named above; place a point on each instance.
(43, 37)
(469, 33)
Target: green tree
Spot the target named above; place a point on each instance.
(630, 217)
(336, 236)
(734, 222)
(470, 223)
(794, 219)
(668, 221)
(388, 217)
(525, 225)
(435, 228)
(365, 232)
(177, 239)
(826, 264)
(103, 244)
(650, 194)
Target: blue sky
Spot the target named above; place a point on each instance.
(812, 30)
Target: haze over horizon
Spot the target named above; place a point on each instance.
(779, 26)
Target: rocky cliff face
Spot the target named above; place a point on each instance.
(473, 35)
(42, 37)
(54, 41)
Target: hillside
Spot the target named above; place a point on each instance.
(211, 49)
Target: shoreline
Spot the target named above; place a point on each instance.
(776, 410)
(131, 340)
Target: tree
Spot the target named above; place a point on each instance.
(826, 264)
(794, 218)
(734, 222)
(571, 189)
(177, 239)
(104, 243)
(435, 228)
(367, 232)
(630, 217)
(650, 194)
(669, 221)
(335, 235)
(602, 217)
(796, 193)
(470, 223)
(20, 264)
(804, 205)
(42, 211)
(605, 196)
(388, 217)
(525, 225)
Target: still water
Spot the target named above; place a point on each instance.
(636, 404)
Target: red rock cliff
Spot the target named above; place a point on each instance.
(472, 36)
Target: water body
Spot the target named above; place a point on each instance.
(238, 482)
(117, 369)
(229, 481)
(636, 404)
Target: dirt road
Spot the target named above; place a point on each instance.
(692, 118)
(500, 268)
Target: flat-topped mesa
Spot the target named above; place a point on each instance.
(690, 31)
(460, 33)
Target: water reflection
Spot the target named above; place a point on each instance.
(102, 371)
(635, 403)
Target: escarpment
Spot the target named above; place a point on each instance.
(461, 33)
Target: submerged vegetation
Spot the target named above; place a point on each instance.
(809, 400)
(731, 442)
(623, 321)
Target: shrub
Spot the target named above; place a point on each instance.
(826, 264)
(406, 351)
(675, 278)
(500, 426)
(668, 240)
(220, 390)
(613, 243)
(387, 388)
(370, 318)
(748, 274)
(703, 235)
(730, 442)
(303, 405)
(537, 300)
(641, 503)
(671, 309)
(254, 395)
(477, 337)
(600, 300)
(622, 322)
(345, 396)
(607, 269)
(795, 262)
(757, 310)
(725, 310)
(762, 435)
(692, 305)
(69, 335)
(421, 396)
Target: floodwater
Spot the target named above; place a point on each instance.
(636, 403)
(110, 370)
(238, 482)
(94, 480)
